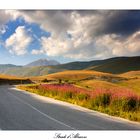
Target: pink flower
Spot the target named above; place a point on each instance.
(116, 93)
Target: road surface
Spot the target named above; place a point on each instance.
(20, 110)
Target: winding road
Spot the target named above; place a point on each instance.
(20, 110)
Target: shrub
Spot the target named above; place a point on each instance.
(103, 100)
(83, 97)
(45, 80)
(59, 81)
(68, 95)
(116, 106)
(129, 104)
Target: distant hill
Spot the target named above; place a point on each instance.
(5, 67)
(27, 71)
(116, 65)
(42, 62)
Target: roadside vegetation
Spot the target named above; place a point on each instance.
(116, 101)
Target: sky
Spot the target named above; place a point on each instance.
(68, 35)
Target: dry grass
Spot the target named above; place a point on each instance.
(78, 74)
(93, 84)
(133, 84)
(92, 79)
(9, 77)
(75, 75)
(131, 74)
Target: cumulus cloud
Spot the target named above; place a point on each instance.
(18, 42)
(86, 34)
(121, 47)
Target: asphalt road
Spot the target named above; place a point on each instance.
(20, 110)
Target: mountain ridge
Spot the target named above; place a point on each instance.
(42, 62)
(115, 65)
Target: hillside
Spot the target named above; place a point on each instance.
(32, 71)
(3, 76)
(131, 74)
(80, 75)
(90, 79)
(116, 65)
(6, 67)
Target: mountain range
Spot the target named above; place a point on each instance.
(43, 62)
(117, 65)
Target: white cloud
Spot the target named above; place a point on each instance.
(93, 34)
(105, 46)
(76, 46)
(18, 42)
(36, 52)
(121, 47)
(80, 45)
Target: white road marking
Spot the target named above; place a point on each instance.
(47, 116)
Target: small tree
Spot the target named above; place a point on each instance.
(60, 81)
(45, 80)
(66, 81)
